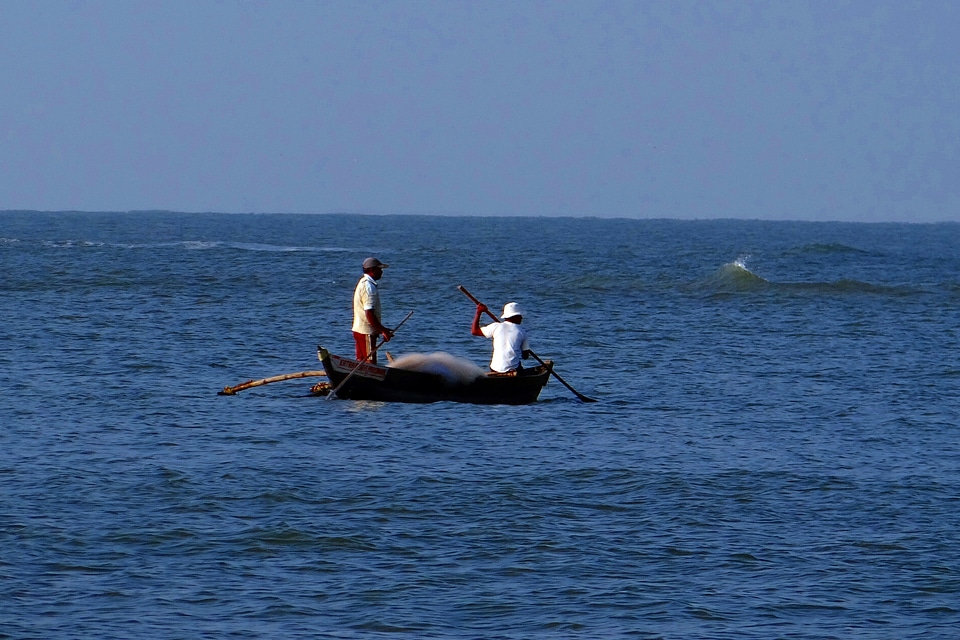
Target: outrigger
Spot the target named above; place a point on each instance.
(424, 380)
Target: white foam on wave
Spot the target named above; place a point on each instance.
(273, 248)
(69, 244)
(199, 245)
(738, 271)
(258, 246)
(453, 369)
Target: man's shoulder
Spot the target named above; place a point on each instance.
(515, 331)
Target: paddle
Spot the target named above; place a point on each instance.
(556, 375)
(333, 392)
(232, 391)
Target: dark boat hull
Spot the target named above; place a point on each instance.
(389, 384)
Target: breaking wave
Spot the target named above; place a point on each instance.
(736, 277)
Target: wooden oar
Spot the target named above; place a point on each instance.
(249, 384)
(333, 392)
(556, 375)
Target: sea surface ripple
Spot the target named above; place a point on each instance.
(774, 453)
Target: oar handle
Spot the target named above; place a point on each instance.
(377, 346)
(405, 318)
(463, 290)
(333, 392)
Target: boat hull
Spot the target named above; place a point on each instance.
(390, 384)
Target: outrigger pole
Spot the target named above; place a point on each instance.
(249, 384)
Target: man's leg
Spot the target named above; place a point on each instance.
(365, 344)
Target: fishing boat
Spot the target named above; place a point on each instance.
(367, 381)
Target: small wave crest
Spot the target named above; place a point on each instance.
(69, 244)
(245, 246)
(206, 245)
(851, 286)
(273, 248)
(822, 248)
(734, 276)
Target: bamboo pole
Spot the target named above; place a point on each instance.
(249, 384)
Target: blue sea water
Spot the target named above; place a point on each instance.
(775, 452)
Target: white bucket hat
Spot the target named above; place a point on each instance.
(511, 309)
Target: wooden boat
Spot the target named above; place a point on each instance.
(391, 384)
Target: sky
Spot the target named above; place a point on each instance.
(825, 110)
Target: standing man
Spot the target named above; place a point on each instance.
(509, 338)
(366, 311)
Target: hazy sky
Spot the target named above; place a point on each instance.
(681, 109)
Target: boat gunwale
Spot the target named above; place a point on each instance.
(394, 384)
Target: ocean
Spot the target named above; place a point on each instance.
(775, 450)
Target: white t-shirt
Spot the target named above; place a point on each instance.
(365, 296)
(509, 342)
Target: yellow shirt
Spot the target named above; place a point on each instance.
(365, 296)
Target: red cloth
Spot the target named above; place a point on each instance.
(365, 344)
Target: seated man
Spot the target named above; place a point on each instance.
(509, 338)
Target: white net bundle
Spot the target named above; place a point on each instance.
(453, 369)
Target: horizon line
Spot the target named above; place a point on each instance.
(446, 214)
